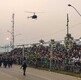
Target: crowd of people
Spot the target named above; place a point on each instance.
(56, 58)
(6, 61)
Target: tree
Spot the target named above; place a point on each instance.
(41, 41)
(68, 41)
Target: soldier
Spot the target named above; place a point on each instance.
(24, 66)
(0, 61)
(10, 62)
(5, 62)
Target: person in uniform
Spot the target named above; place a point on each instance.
(24, 66)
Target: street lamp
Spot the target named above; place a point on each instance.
(74, 8)
(76, 11)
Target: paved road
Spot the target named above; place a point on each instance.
(15, 73)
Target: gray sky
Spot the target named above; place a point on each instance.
(50, 25)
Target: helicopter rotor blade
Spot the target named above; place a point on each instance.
(39, 12)
(32, 12)
(29, 12)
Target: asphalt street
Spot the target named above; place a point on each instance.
(15, 73)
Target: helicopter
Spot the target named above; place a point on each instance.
(34, 16)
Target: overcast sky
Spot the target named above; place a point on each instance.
(51, 24)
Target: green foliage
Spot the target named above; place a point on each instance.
(41, 41)
(68, 40)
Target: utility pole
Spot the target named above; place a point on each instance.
(67, 24)
(13, 30)
(51, 52)
(23, 51)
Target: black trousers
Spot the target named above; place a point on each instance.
(24, 71)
